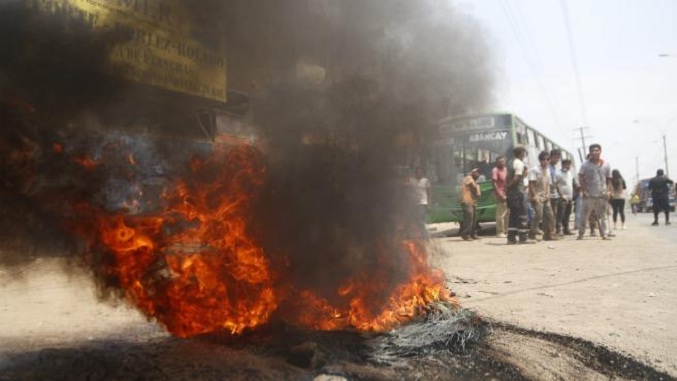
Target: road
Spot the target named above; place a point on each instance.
(620, 293)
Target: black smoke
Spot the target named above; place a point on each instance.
(351, 81)
(344, 94)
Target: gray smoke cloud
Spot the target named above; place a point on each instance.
(336, 87)
(352, 78)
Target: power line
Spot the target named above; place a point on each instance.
(581, 151)
(574, 62)
(533, 63)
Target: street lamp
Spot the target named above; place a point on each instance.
(665, 146)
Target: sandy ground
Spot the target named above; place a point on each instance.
(620, 293)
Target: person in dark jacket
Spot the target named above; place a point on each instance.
(660, 194)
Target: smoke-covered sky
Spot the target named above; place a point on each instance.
(335, 86)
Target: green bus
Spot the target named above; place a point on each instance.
(459, 144)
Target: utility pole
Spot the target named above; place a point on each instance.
(582, 138)
(637, 168)
(665, 153)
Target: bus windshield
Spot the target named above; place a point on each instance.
(460, 150)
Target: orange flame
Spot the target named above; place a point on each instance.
(196, 268)
(86, 162)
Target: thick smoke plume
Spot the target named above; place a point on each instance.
(356, 79)
(344, 94)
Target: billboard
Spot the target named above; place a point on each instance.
(160, 51)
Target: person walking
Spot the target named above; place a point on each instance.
(618, 197)
(518, 218)
(634, 202)
(499, 177)
(594, 178)
(470, 192)
(555, 198)
(660, 194)
(539, 195)
(421, 187)
(565, 189)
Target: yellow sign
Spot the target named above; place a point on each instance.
(159, 52)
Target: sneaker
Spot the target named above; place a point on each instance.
(474, 237)
(593, 234)
(512, 242)
(667, 222)
(623, 227)
(466, 238)
(655, 223)
(580, 237)
(502, 235)
(606, 238)
(569, 233)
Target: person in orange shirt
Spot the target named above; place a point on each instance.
(470, 192)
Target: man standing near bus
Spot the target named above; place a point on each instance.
(518, 219)
(470, 192)
(565, 188)
(555, 198)
(539, 194)
(499, 176)
(594, 178)
(421, 187)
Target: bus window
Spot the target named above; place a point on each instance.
(484, 164)
(540, 144)
(521, 138)
(530, 137)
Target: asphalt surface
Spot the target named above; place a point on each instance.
(620, 293)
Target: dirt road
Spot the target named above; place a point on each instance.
(620, 293)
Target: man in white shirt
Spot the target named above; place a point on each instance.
(539, 195)
(565, 189)
(518, 219)
(421, 187)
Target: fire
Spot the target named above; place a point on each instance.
(86, 162)
(423, 286)
(196, 268)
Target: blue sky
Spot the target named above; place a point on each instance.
(622, 78)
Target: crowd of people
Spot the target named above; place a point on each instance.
(534, 204)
